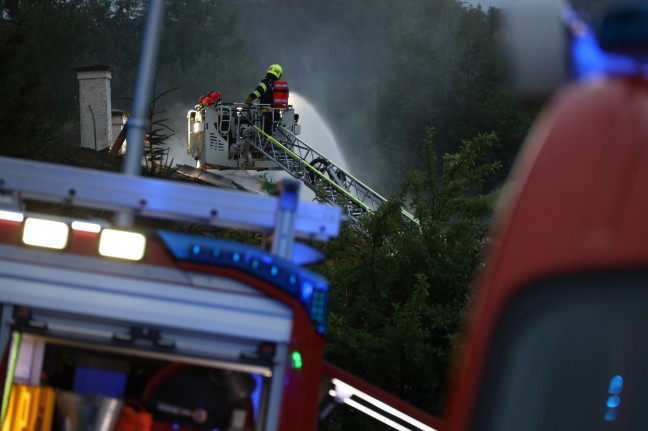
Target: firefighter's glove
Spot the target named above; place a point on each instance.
(248, 101)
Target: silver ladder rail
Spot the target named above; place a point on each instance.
(165, 199)
(337, 186)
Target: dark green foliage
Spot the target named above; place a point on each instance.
(41, 42)
(449, 76)
(156, 152)
(201, 51)
(23, 93)
(399, 294)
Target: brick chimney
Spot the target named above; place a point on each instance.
(95, 106)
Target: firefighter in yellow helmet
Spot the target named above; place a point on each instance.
(265, 93)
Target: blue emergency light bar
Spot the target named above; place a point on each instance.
(590, 60)
(308, 288)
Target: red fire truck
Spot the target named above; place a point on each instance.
(104, 325)
(556, 336)
(90, 308)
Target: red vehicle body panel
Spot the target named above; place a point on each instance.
(577, 202)
(299, 408)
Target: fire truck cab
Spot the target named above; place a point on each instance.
(193, 331)
(555, 339)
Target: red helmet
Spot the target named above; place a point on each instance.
(212, 98)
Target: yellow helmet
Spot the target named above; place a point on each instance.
(275, 70)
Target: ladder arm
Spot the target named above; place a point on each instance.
(296, 157)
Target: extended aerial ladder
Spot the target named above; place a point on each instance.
(237, 136)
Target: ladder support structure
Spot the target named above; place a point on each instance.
(337, 186)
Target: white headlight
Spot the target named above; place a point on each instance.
(45, 233)
(122, 244)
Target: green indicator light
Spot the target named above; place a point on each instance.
(296, 360)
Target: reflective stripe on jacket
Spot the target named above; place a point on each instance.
(265, 90)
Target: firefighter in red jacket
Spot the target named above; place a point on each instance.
(265, 93)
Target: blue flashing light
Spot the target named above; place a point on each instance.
(310, 289)
(590, 61)
(307, 290)
(616, 385)
(611, 415)
(613, 401)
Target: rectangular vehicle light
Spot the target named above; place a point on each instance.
(84, 226)
(45, 233)
(11, 216)
(122, 244)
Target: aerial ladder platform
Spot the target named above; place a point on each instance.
(238, 136)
